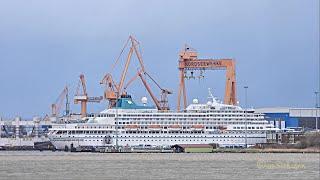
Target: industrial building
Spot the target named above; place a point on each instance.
(292, 118)
(23, 133)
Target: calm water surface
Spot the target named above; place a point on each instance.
(61, 165)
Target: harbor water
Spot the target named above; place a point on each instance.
(64, 165)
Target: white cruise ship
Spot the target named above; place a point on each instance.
(132, 125)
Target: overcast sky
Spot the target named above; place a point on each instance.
(45, 45)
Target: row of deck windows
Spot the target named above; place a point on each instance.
(249, 127)
(188, 122)
(108, 133)
(163, 123)
(168, 136)
(219, 114)
(201, 114)
(164, 140)
(193, 119)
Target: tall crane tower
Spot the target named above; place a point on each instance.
(188, 61)
(83, 97)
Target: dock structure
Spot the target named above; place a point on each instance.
(22, 134)
(194, 148)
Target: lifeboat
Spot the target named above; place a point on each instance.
(174, 127)
(154, 127)
(198, 126)
(131, 126)
(222, 128)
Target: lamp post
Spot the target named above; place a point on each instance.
(117, 126)
(246, 123)
(316, 96)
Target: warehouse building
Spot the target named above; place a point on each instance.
(292, 118)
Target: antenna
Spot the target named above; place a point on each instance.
(67, 103)
(210, 93)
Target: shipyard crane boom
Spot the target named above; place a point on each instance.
(83, 98)
(115, 90)
(189, 62)
(155, 100)
(130, 82)
(133, 48)
(135, 44)
(124, 73)
(56, 107)
(164, 94)
(163, 103)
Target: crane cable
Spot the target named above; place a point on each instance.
(122, 50)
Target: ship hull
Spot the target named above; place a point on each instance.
(157, 140)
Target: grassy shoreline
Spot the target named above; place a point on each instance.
(308, 150)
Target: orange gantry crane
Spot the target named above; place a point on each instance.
(83, 97)
(56, 107)
(189, 62)
(114, 91)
